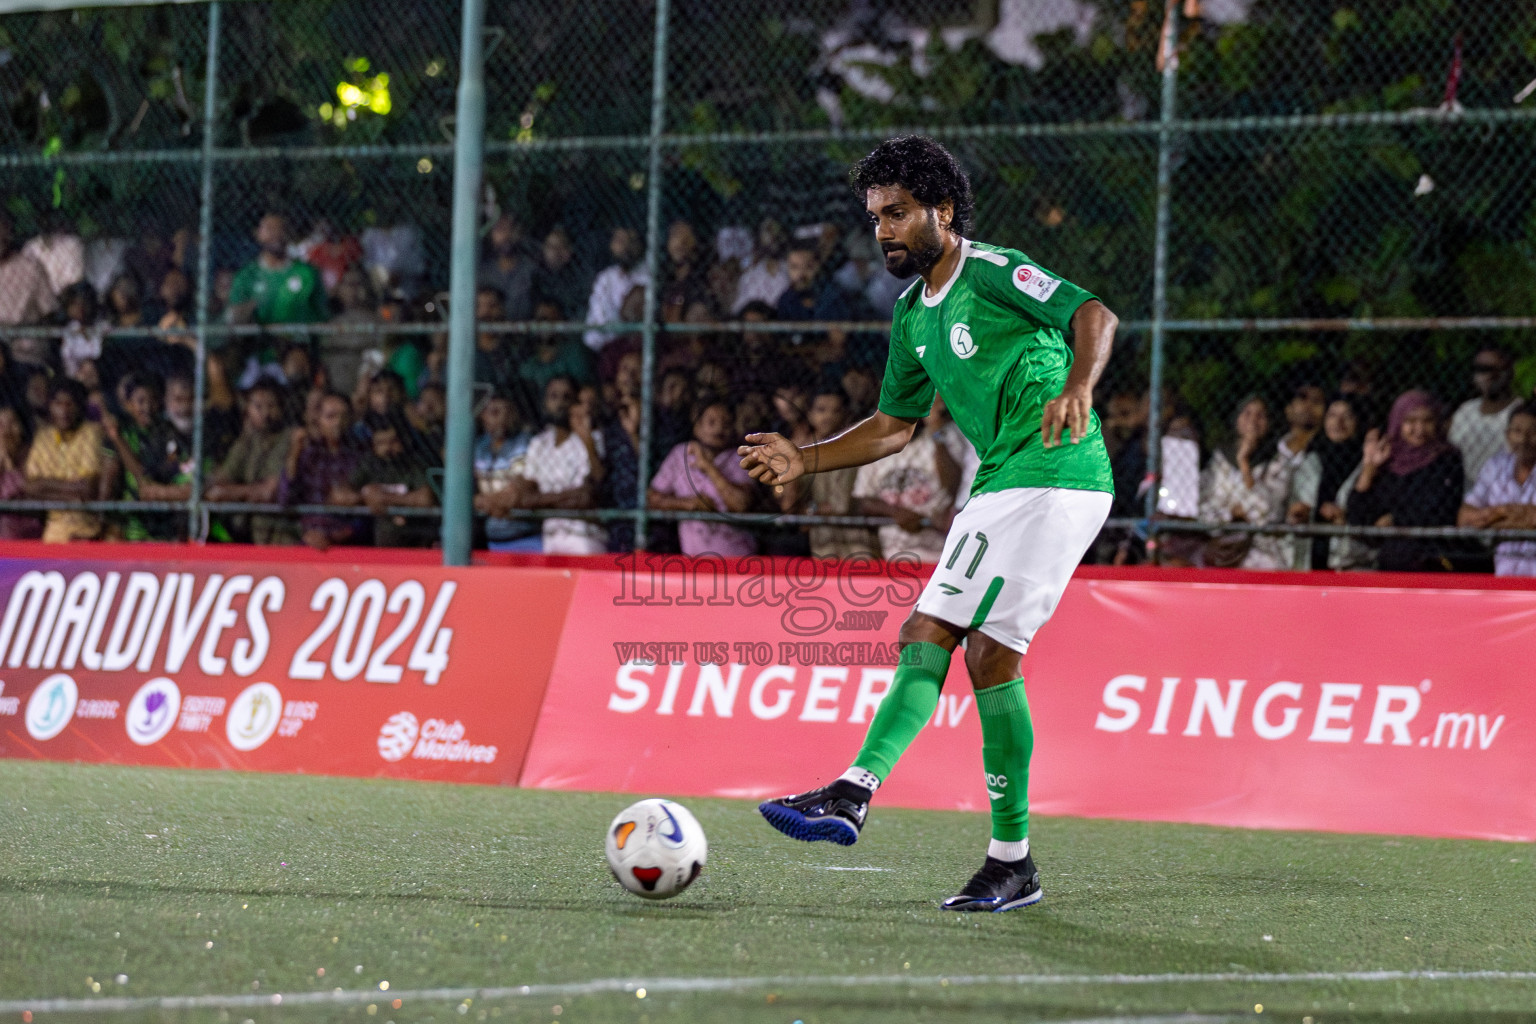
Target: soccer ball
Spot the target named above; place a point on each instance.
(656, 848)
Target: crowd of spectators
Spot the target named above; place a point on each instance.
(349, 420)
(1340, 459)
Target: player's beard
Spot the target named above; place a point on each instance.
(922, 258)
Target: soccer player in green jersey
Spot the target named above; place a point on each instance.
(986, 328)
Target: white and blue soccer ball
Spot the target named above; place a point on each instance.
(656, 848)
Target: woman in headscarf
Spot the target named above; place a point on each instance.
(1409, 477)
(1329, 464)
(1244, 482)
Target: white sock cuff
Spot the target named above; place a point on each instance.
(861, 777)
(1008, 851)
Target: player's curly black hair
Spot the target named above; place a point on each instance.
(924, 168)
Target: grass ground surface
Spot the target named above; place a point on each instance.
(154, 883)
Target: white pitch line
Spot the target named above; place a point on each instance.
(601, 986)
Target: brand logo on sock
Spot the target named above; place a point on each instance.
(1000, 782)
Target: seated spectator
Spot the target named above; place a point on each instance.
(429, 414)
(792, 407)
(809, 297)
(705, 475)
(829, 493)
(84, 328)
(508, 267)
(683, 281)
(563, 468)
(670, 424)
(384, 398)
(275, 288)
(66, 462)
(156, 458)
(551, 355)
(1409, 477)
(762, 361)
(614, 284)
(393, 253)
(559, 277)
(318, 462)
(36, 388)
(14, 443)
(393, 474)
(60, 252)
(621, 457)
(1321, 485)
(125, 305)
(359, 344)
(1246, 481)
(495, 365)
(862, 386)
(768, 276)
(1303, 419)
(1504, 497)
(499, 455)
(176, 300)
(1479, 424)
(916, 487)
(253, 469)
(26, 297)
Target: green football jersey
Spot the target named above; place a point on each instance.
(992, 343)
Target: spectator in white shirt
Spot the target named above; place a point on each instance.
(25, 295)
(1504, 496)
(563, 466)
(1246, 482)
(768, 277)
(61, 252)
(1478, 425)
(614, 283)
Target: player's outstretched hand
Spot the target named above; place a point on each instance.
(771, 459)
(1065, 416)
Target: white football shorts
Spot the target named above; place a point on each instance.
(1008, 557)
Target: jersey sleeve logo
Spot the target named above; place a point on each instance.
(1034, 282)
(961, 342)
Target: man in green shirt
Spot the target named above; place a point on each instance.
(275, 288)
(985, 328)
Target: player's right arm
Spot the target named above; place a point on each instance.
(773, 459)
(906, 396)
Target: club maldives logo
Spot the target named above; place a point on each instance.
(152, 711)
(253, 716)
(436, 739)
(398, 736)
(51, 706)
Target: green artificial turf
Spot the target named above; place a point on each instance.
(106, 872)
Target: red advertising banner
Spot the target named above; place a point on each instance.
(675, 676)
(394, 670)
(1340, 708)
(1353, 709)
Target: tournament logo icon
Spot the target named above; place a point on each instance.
(253, 716)
(398, 736)
(51, 706)
(152, 711)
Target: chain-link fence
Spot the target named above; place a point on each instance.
(1305, 214)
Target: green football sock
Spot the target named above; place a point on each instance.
(1007, 741)
(906, 708)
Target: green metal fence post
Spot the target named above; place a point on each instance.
(468, 154)
(1170, 52)
(204, 265)
(653, 243)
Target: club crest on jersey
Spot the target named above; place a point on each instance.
(1034, 282)
(961, 342)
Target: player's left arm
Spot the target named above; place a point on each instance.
(1093, 339)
